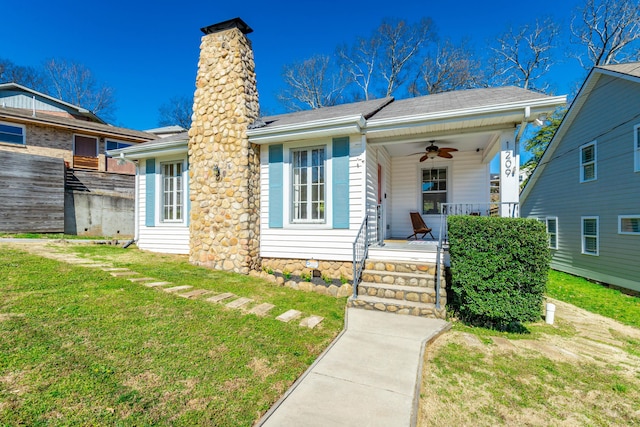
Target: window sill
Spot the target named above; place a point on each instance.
(12, 144)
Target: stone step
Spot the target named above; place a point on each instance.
(399, 278)
(289, 315)
(177, 288)
(311, 321)
(196, 293)
(400, 266)
(221, 297)
(398, 307)
(239, 303)
(156, 284)
(398, 292)
(261, 309)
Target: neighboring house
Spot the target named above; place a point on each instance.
(239, 192)
(53, 157)
(587, 185)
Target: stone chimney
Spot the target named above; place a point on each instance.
(223, 166)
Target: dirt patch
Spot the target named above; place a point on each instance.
(595, 346)
(261, 368)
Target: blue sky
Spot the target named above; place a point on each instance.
(148, 51)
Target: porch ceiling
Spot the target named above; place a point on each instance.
(476, 141)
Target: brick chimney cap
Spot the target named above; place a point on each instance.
(226, 25)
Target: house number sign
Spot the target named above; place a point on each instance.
(508, 163)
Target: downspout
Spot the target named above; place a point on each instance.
(135, 203)
(523, 125)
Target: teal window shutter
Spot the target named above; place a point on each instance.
(276, 171)
(150, 193)
(340, 186)
(187, 197)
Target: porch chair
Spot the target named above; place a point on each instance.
(419, 227)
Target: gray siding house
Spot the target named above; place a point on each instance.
(587, 185)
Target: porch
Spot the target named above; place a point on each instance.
(405, 275)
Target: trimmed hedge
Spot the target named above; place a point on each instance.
(499, 269)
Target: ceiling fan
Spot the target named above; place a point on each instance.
(433, 151)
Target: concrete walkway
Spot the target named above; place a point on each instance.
(370, 376)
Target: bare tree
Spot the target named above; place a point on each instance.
(74, 83)
(400, 44)
(359, 62)
(523, 56)
(177, 111)
(312, 83)
(608, 30)
(26, 76)
(448, 67)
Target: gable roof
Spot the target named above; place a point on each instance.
(173, 144)
(627, 71)
(489, 105)
(19, 115)
(64, 105)
(387, 117)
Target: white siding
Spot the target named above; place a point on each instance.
(164, 238)
(321, 241)
(468, 182)
(378, 156)
(608, 116)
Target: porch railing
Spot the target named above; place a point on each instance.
(501, 209)
(360, 250)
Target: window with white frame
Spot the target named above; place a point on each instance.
(308, 192)
(636, 148)
(590, 236)
(552, 231)
(172, 191)
(12, 133)
(434, 190)
(588, 158)
(629, 224)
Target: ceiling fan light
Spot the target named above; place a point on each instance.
(432, 154)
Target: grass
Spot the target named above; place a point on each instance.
(53, 236)
(509, 388)
(594, 297)
(487, 384)
(80, 347)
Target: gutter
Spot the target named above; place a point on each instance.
(307, 130)
(394, 122)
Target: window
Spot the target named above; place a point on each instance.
(115, 145)
(11, 133)
(590, 235)
(85, 146)
(172, 192)
(552, 231)
(308, 185)
(629, 224)
(636, 148)
(588, 169)
(434, 190)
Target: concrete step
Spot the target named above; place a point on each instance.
(399, 307)
(420, 279)
(402, 293)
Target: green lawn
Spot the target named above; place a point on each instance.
(80, 347)
(594, 297)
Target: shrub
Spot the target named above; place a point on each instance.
(499, 269)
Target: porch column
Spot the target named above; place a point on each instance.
(509, 174)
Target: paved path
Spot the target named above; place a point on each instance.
(370, 376)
